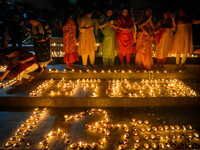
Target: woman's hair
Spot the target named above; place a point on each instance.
(32, 17)
(125, 8)
(10, 50)
(87, 11)
(108, 9)
(148, 7)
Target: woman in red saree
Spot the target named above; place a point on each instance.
(69, 41)
(124, 36)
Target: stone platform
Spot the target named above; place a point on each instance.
(20, 96)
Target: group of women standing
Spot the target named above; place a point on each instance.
(119, 36)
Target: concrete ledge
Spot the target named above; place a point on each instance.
(97, 102)
(76, 75)
(178, 75)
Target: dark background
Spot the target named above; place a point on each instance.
(55, 11)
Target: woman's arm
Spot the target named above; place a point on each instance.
(26, 60)
(48, 32)
(115, 27)
(194, 21)
(4, 75)
(103, 25)
(143, 24)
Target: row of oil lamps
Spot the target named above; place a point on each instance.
(41, 87)
(103, 126)
(149, 88)
(3, 68)
(116, 87)
(108, 71)
(98, 126)
(62, 53)
(26, 128)
(67, 87)
(7, 83)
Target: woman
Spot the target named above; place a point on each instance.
(164, 38)
(87, 43)
(144, 41)
(108, 45)
(124, 36)
(20, 64)
(183, 41)
(69, 41)
(41, 34)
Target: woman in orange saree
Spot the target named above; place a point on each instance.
(144, 42)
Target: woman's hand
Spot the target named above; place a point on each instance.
(108, 23)
(150, 18)
(172, 16)
(91, 28)
(22, 62)
(43, 40)
(129, 30)
(1, 79)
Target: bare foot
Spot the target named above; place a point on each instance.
(94, 66)
(177, 67)
(74, 66)
(183, 66)
(41, 70)
(46, 70)
(158, 66)
(69, 67)
(86, 68)
(30, 78)
(17, 84)
(163, 66)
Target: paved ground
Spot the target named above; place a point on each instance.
(11, 119)
(171, 111)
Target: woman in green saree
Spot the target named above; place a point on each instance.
(108, 46)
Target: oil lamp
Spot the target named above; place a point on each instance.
(136, 145)
(16, 144)
(135, 133)
(143, 129)
(81, 145)
(137, 140)
(146, 122)
(139, 122)
(67, 141)
(126, 135)
(29, 143)
(146, 137)
(160, 128)
(8, 144)
(154, 128)
(161, 145)
(121, 146)
(88, 146)
(125, 141)
(196, 135)
(95, 145)
(153, 136)
(73, 146)
(154, 145)
(146, 145)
